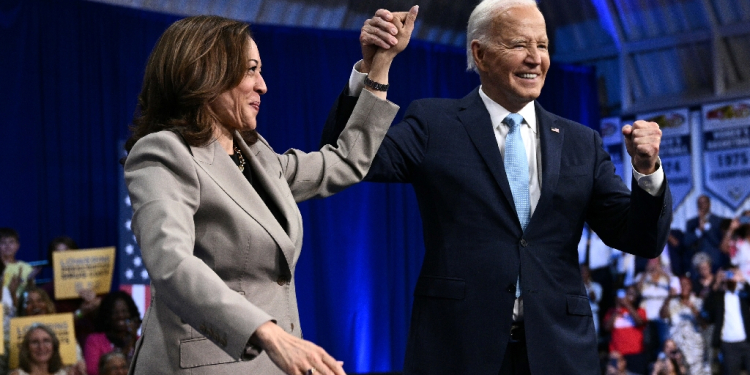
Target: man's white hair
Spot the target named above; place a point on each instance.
(480, 23)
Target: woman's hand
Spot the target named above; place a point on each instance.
(383, 37)
(90, 302)
(293, 355)
(404, 23)
(382, 32)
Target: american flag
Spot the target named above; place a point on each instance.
(133, 275)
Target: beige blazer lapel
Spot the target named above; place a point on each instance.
(213, 160)
(266, 165)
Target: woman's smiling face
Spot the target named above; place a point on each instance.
(242, 103)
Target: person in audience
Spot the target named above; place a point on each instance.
(17, 273)
(703, 233)
(40, 353)
(35, 301)
(682, 312)
(117, 326)
(626, 323)
(594, 292)
(736, 244)
(83, 308)
(113, 363)
(655, 285)
(703, 281)
(617, 365)
(728, 306)
(675, 355)
(665, 366)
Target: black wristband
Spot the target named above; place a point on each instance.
(374, 85)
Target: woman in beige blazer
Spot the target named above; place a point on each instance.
(215, 209)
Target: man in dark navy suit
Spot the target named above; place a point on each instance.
(703, 234)
(504, 189)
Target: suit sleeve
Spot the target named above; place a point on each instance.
(162, 180)
(403, 148)
(335, 167)
(635, 222)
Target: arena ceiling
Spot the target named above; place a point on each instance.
(649, 54)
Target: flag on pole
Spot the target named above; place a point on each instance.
(133, 275)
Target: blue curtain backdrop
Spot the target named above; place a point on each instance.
(70, 73)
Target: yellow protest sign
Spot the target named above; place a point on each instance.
(83, 269)
(61, 324)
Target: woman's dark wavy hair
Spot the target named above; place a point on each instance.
(193, 62)
(24, 355)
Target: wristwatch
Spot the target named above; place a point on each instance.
(374, 85)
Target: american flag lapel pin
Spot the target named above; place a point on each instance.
(556, 130)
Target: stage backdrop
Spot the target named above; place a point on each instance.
(71, 72)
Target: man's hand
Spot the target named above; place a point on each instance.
(383, 31)
(642, 141)
(293, 355)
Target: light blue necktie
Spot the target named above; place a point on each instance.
(517, 170)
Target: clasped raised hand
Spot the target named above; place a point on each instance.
(387, 32)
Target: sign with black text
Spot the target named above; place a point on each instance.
(83, 269)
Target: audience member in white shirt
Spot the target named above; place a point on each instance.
(729, 308)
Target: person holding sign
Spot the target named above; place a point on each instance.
(214, 207)
(83, 308)
(40, 353)
(35, 302)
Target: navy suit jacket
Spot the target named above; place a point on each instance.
(709, 242)
(475, 247)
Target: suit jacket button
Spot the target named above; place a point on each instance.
(282, 280)
(511, 288)
(524, 243)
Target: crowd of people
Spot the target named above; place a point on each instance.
(685, 312)
(106, 327)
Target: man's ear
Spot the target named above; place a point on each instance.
(477, 50)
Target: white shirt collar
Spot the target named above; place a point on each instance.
(498, 112)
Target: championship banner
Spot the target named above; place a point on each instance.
(726, 151)
(613, 142)
(675, 151)
(61, 324)
(83, 269)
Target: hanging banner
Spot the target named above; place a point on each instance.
(726, 151)
(675, 150)
(611, 130)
